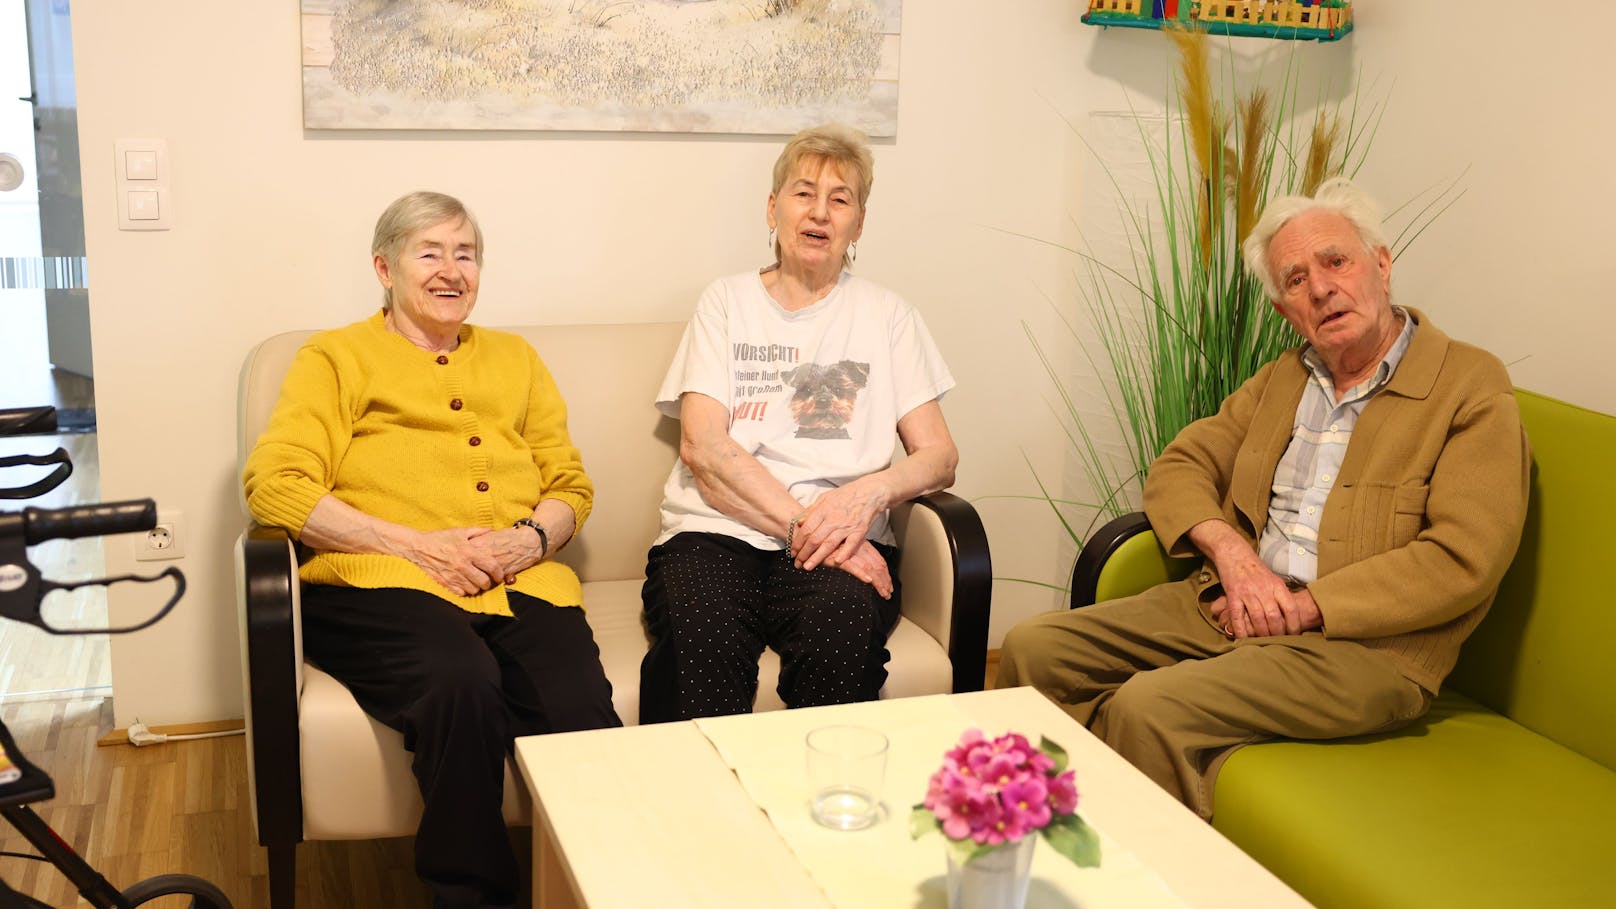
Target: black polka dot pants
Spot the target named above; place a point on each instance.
(713, 603)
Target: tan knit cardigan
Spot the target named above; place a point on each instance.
(1423, 519)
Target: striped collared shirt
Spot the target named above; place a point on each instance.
(1307, 472)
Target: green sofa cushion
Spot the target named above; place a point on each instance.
(1137, 564)
(1393, 820)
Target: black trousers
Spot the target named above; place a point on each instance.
(713, 603)
(460, 687)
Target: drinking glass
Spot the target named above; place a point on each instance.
(845, 768)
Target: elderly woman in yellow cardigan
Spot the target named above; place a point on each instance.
(426, 463)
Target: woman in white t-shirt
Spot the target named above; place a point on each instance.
(789, 386)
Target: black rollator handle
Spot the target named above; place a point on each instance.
(64, 469)
(22, 588)
(36, 525)
(27, 421)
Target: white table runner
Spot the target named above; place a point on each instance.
(882, 867)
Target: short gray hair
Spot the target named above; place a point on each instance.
(1339, 195)
(413, 212)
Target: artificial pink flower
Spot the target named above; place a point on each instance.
(993, 791)
(1027, 802)
(1013, 741)
(1063, 793)
(977, 758)
(1000, 770)
(973, 815)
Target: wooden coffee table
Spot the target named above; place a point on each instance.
(653, 815)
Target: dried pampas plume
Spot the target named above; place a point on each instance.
(1195, 94)
(1326, 135)
(1253, 175)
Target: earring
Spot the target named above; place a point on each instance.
(771, 239)
(852, 252)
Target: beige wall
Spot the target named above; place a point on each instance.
(1522, 264)
(273, 225)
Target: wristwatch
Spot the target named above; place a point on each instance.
(544, 538)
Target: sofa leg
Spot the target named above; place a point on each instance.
(283, 876)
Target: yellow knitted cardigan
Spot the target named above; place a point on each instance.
(472, 438)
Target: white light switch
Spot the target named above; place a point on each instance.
(143, 205)
(145, 197)
(140, 165)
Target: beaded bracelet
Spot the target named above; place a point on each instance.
(791, 530)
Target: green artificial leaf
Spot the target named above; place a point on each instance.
(1055, 752)
(922, 822)
(967, 849)
(1072, 837)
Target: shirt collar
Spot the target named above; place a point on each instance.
(1383, 373)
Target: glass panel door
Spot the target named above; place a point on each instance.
(44, 304)
(45, 342)
(23, 351)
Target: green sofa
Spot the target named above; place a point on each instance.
(1505, 793)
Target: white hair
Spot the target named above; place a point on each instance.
(1339, 195)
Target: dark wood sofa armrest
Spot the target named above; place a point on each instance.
(1128, 547)
(1101, 545)
(272, 662)
(957, 605)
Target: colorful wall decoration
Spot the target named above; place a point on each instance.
(1305, 20)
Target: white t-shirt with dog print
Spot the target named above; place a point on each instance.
(815, 395)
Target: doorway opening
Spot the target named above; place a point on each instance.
(45, 344)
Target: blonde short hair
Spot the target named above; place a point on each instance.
(833, 143)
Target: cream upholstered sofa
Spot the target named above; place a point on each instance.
(322, 769)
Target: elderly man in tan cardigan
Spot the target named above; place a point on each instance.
(1355, 504)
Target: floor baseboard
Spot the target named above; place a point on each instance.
(121, 736)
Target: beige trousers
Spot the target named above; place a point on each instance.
(1154, 679)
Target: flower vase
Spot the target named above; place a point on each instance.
(995, 880)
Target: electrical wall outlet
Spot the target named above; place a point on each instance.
(163, 542)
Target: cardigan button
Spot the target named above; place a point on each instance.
(456, 404)
(443, 360)
(1206, 576)
(482, 485)
(475, 441)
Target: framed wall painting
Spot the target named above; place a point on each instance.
(712, 66)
